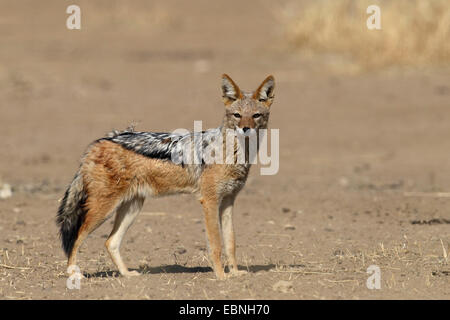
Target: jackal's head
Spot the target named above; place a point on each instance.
(247, 110)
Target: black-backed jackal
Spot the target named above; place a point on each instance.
(119, 171)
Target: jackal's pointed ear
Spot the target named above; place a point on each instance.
(230, 90)
(265, 92)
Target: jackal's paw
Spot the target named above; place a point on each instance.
(74, 271)
(129, 274)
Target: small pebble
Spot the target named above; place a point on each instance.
(343, 181)
(5, 191)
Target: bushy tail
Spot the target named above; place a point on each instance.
(71, 213)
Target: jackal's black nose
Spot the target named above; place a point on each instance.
(245, 129)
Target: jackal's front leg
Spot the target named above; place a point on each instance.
(211, 212)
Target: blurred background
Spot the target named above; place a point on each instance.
(158, 64)
(363, 114)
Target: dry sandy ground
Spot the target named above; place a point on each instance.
(351, 148)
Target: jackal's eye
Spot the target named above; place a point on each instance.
(237, 115)
(256, 115)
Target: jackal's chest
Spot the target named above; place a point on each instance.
(234, 179)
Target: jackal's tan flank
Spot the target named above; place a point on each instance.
(119, 171)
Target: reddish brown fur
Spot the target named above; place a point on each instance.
(111, 173)
(116, 178)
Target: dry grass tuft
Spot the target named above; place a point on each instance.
(413, 32)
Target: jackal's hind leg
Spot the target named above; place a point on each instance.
(125, 216)
(95, 216)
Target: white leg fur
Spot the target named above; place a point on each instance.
(125, 216)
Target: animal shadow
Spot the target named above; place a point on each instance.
(176, 268)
